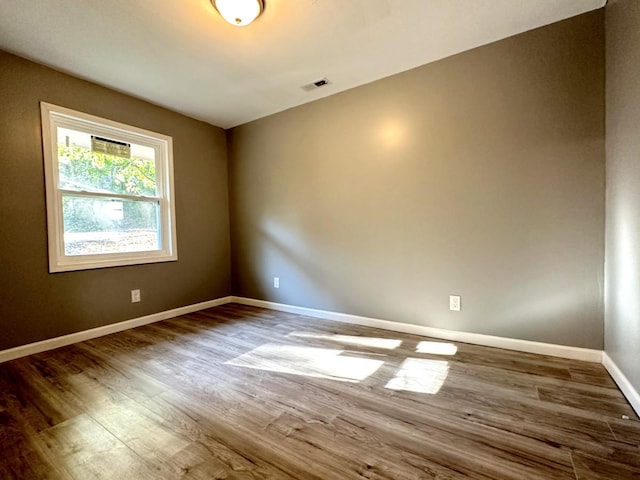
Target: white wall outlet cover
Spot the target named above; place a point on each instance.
(276, 282)
(135, 296)
(454, 303)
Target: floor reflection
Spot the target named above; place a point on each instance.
(420, 375)
(309, 361)
(375, 342)
(437, 348)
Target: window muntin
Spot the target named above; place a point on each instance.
(109, 192)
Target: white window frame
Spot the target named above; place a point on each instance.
(54, 116)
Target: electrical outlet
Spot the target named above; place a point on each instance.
(454, 303)
(276, 282)
(135, 296)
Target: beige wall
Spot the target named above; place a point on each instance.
(480, 175)
(622, 293)
(34, 304)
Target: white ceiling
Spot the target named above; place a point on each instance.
(180, 53)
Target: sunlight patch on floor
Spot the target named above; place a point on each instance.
(307, 361)
(386, 343)
(420, 375)
(437, 348)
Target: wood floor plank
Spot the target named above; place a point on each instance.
(241, 436)
(626, 430)
(458, 433)
(208, 451)
(87, 450)
(344, 443)
(609, 405)
(238, 392)
(21, 457)
(594, 468)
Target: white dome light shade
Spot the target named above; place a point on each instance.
(239, 12)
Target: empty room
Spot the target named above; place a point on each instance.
(320, 239)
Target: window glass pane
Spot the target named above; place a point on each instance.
(103, 225)
(83, 165)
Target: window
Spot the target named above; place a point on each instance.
(109, 192)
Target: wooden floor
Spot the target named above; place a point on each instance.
(237, 392)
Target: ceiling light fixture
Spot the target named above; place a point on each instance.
(239, 12)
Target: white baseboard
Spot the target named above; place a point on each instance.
(550, 349)
(622, 381)
(554, 350)
(50, 344)
(563, 351)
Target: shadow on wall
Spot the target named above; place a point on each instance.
(283, 253)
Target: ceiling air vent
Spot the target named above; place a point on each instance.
(315, 85)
